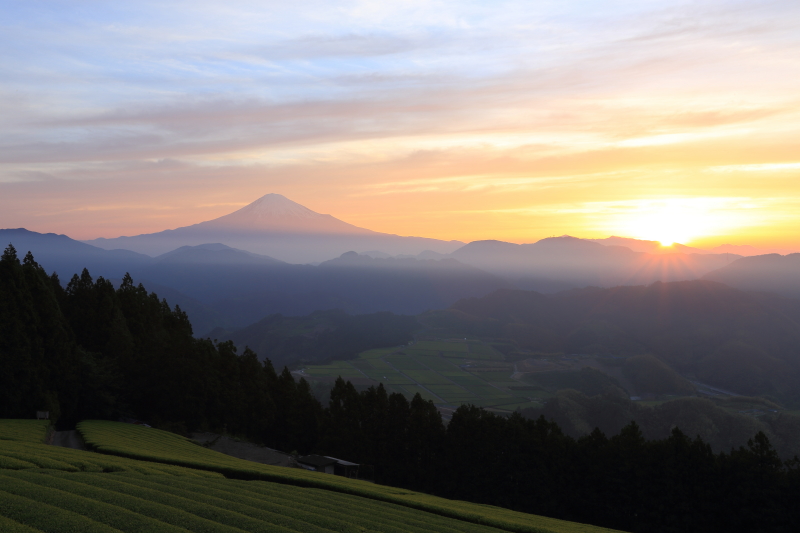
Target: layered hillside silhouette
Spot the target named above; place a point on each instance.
(223, 286)
(772, 273)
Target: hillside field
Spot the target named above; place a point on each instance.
(145, 479)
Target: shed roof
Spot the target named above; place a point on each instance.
(316, 461)
(341, 462)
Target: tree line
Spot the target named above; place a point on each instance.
(89, 350)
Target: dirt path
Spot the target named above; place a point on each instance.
(69, 439)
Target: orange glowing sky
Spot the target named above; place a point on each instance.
(455, 120)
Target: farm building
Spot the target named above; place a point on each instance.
(329, 465)
(317, 463)
(344, 468)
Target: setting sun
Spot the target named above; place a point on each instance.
(669, 225)
(680, 220)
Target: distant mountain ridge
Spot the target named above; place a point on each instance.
(68, 256)
(650, 247)
(214, 253)
(549, 265)
(233, 286)
(559, 263)
(222, 286)
(770, 273)
(277, 227)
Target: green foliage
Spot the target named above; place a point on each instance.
(113, 515)
(720, 423)
(10, 526)
(131, 503)
(40, 515)
(92, 351)
(150, 444)
(490, 445)
(24, 455)
(37, 349)
(129, 440)
(24, 430)
(89, 500)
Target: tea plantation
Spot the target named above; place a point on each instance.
(144, 479)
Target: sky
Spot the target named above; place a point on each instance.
(671, 121)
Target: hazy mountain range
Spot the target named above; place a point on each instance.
(275, 226)
(237, 269)
(559, 263)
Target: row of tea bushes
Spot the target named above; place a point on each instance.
(177, 485)
(24, 430)
(138, 442)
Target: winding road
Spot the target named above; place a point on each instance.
(69, 439)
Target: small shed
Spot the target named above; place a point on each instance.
(317, 463)
(344, 468)
(42, 415)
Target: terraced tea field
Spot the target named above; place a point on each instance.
(22, 447)
(48, 489)
(24, 430)
(449, 373)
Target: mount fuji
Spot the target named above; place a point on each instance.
(275, 226)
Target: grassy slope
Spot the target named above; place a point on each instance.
(153, 445)
(24, 430)
(51, 489)
(22, 448)
(131, 502)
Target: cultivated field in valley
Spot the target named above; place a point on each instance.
(449, 373)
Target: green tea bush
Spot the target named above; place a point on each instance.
(115, 489)
(19, 455)
(112, 515)
(23, 430)
(148, 444)
(370, 514)
(10, 526)
(42, 516)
